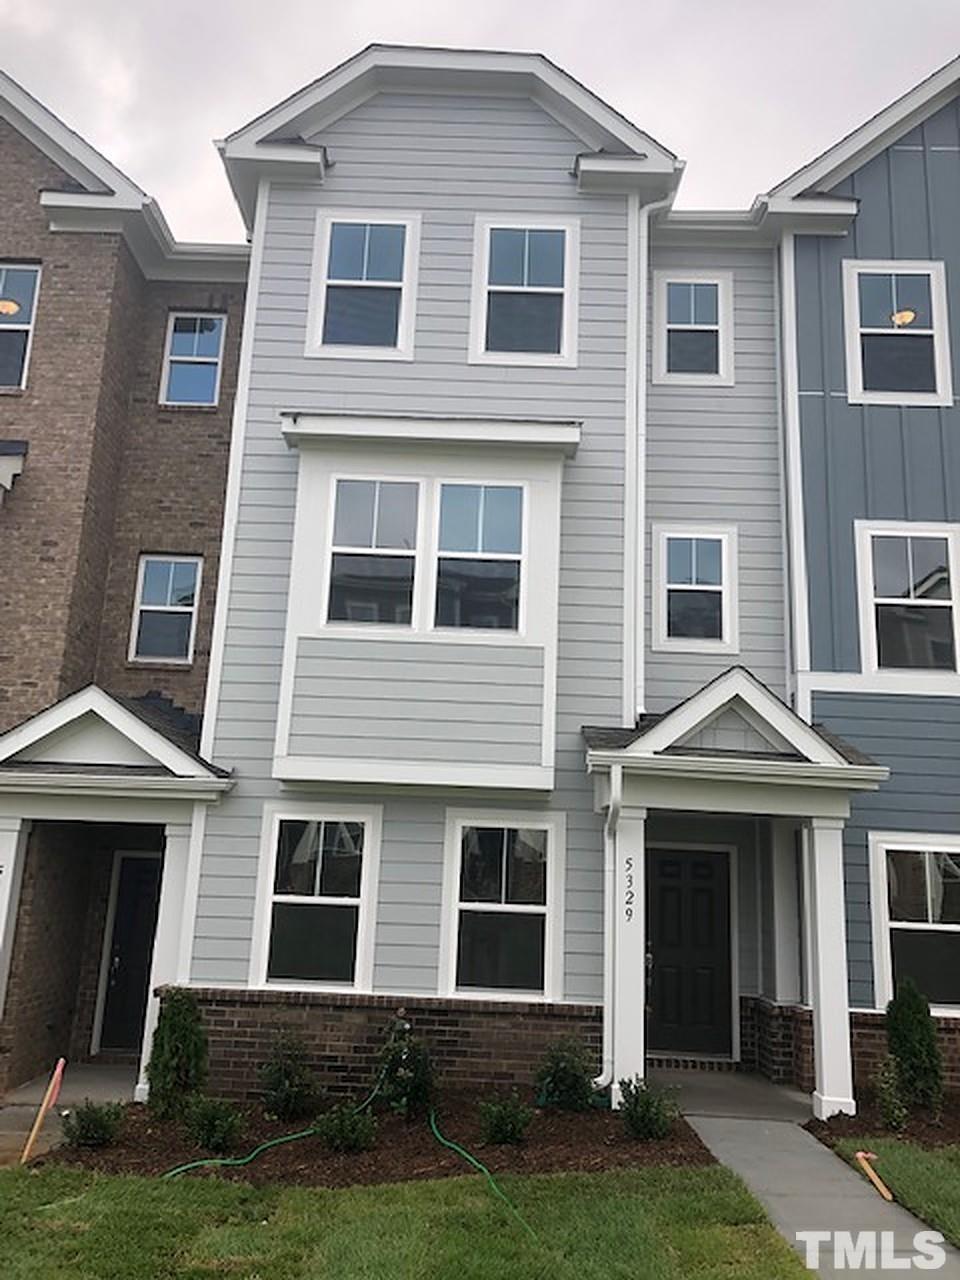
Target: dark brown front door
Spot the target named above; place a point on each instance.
(131, 951)
(688, 941)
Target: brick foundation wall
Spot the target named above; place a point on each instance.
(470, 1042)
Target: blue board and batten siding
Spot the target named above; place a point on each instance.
(883, 463)
(447, 157)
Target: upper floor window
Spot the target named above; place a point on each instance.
(373, 558)
(193, 359)
(18, 305)
(694, 588)
(363, 299)
(908, 582)
(693, 328)
(525, 292)
(165, 611)
(480, 556)
(897, 339)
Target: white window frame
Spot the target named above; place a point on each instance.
(853, 268)
(915, 679)
(426, 557)
(403, 553)
(371, 816)
(132, 655)
(554, 931)
(26, 325)
(169, 357)
(729, 641)
(566, 358)
(406, 321)
(879, 844)
(724, 377)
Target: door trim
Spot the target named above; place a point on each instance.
(106, 945)
(733, 871)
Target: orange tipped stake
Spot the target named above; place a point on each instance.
(863, 1160)
(49, 1099)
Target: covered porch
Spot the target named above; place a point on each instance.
(726, 929)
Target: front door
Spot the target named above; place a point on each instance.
(688, 943)
(131, 951)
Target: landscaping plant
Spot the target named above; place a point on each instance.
(565, 1078)
(93, 1124)
(178, 1059)
(889, 1095)
(406, 1072)
(213, 1123)
(505, 1120)
(912, 1039)
(344, 1128)
(648, 1112)
(289, 1086)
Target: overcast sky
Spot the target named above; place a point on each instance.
(744, 90)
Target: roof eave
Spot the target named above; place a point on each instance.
(848, 777)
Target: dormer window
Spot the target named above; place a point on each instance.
(18, 303)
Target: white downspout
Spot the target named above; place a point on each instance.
(605, 1077)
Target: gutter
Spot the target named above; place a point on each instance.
(605, 1077)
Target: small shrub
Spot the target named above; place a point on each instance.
(93, 1124)
(178, 1058)
(565, 1078)
(406, 1072)
(648, 1112)
(213, 1123)
(505, 1119)
(912, 1039)
(344, 1128)
(289, 1087)
(889, 1095)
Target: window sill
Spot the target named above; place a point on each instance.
(523, 359)
(905, 399)
(159, 664)
(13, 391)
(692, 380)
(720, 647)
(358, 353)
(188, 408)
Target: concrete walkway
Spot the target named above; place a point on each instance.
(801, 1183)
(86, 1080)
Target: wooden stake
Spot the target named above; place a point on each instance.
(50, 1096)
(863, 1160)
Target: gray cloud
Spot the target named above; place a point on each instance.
(744, 90)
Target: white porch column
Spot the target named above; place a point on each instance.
(13, 851)
(166, 944)
(828, 970)
(630, 934)
(786, 914)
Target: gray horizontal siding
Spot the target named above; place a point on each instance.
(713, 457)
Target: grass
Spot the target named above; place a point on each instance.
(925, 1181)
(646, 1224)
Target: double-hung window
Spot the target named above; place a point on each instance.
(921, 932)
(363, 299)
(525, 293)
(695, 588)
(165, 611)
(320, 874)
(897, 338)
(693, 328)
(908, 585)
(18, 305)
(193, 360)
(480, 556)
(503, 900)
(374, 551)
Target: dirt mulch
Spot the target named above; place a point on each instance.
(867, 1123)
(556, 1142)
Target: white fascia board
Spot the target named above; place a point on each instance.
(122, 787)
(848, 777)
(652, 179)
(409, 773)
(764, 222)
(553, 437)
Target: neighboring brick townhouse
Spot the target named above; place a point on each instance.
(587, 637)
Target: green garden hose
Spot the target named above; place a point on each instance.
(482, 1168)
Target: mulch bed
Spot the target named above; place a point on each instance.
(867, 1123)
(556, 1142)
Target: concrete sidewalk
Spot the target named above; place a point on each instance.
(86, 1080)
(805, 1187)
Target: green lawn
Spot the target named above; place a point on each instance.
(648, 1224)
(923, 1181)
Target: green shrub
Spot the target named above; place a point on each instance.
(505, 1119)
(93, 1124)
(889, 1095)
(344, 1128)
(912, 1039)
(648, 1112)
(565, 1078)
(289, 1086)
(213, 1123)
(406, 1072)
(178, 1057)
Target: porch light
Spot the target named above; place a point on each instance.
(900, 318)
(9, 307)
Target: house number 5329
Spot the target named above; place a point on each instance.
(629, 892)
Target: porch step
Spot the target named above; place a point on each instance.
(659, 1062)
